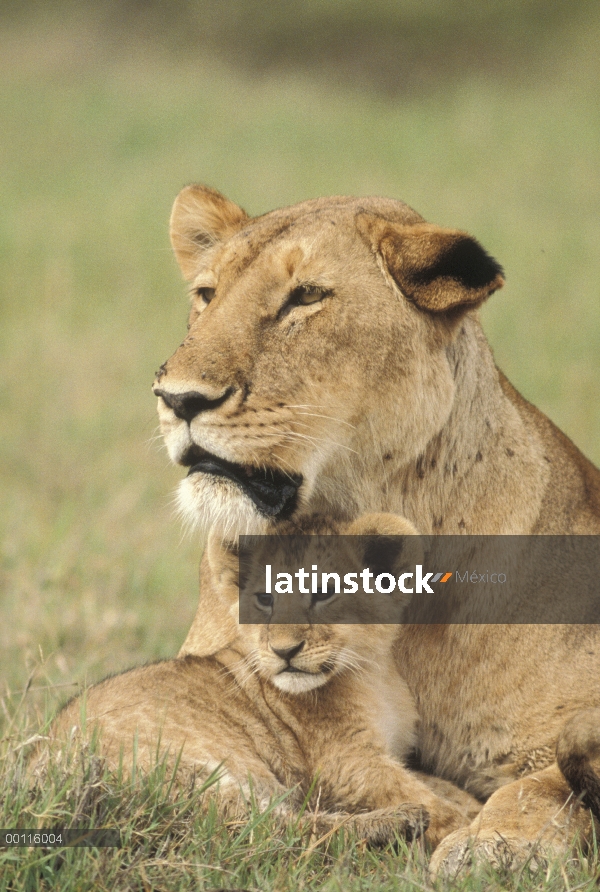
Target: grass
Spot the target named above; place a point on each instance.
(173, 837)
(97, 137)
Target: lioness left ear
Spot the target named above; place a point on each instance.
(201, 217)
(437, 269)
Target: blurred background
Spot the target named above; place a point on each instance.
(483, 116)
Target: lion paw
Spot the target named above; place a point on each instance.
(461, 850)
(380, 827)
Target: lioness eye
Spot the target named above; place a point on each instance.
(264, 600)
(308, 294)
(205, 294)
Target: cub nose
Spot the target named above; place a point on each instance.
(288, 653)
(188, 405)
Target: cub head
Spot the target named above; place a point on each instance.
(317, 348)
(300, 641)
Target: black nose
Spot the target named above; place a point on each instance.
(188, 405)
(288, 653)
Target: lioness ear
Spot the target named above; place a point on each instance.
(201, 216)
(438, 269)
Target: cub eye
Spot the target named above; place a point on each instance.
(322, 595)
(307, 294)
(205, 294)
(263, 599)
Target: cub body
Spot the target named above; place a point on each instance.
(284, 704)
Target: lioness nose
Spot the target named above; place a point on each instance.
(288, 653)
(188, 405)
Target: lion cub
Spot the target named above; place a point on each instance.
(283, 704)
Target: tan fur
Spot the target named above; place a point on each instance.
(383, 394)
(245, 709)
(539, 823)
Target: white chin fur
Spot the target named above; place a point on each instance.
(298, 682)
(216, 503)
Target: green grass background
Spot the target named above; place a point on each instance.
(487, 121)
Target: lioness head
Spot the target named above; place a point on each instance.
(317, 350)
(299, 642)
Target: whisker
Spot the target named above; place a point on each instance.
(324, 441)
(330, 417)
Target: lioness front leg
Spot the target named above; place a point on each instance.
(537, 818)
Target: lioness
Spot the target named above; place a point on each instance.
(284, 704)
(335, 363)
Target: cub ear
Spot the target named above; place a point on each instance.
(201, 216)
(380, 525)
(215, 625)
(437, 269)
(393, 543)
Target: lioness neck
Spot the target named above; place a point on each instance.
(483, 473)
(492, 468)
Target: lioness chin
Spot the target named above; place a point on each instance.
(286, 705)
(335, 364)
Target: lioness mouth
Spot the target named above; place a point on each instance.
(273, 492)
